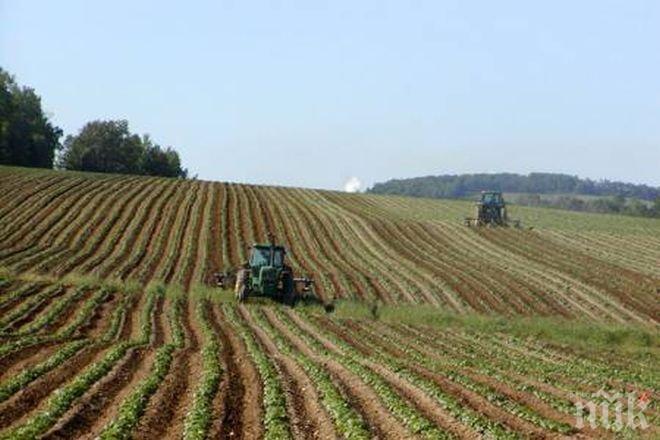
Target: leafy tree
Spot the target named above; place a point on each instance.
(655, 210)
(110, 147)
(161, 162)
(103, 146)
(27, 137)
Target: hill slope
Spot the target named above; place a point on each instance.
(391, 248)
(108, 331)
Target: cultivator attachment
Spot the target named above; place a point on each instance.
(304, 285)
(225, 280)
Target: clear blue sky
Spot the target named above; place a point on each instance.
(310, 93)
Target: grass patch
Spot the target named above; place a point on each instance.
(213, 294)
(5, 275)
(556, 330)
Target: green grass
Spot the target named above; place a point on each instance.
(453, 211)
(214, 294)
(5, 276)
(623, 338)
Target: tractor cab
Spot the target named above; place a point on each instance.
(267, 271)
(266, 255)
(492, 198)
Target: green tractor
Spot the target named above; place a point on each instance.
(491, 211)
(266, 274)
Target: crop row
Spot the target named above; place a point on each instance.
(365, 377)
(373, 248)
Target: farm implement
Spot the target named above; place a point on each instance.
(266, 274)
(491, 211)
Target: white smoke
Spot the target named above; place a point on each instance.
(353, 184)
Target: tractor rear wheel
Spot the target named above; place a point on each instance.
(289, 291)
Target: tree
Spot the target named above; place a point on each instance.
(103, 146)
(159, 162)
(110, 147)
(27, 137)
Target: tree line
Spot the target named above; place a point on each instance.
(612, 197)
(607, 205)
(28, 138)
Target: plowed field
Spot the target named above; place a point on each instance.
(108, 327)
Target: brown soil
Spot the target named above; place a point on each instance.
(482, 405)
(134, 317)
(240, 396)
(158, 317)
(193, 257)
(214, 243)
(39, 210)
(67, 314)
(533, 402)
(37, 356)
(330, 248)
(67, 215)
(175, 265)
(344, 335)
(166, 413)
(94, 409)
(101, 233)
(380, 420)
(28, 290)
(309, 419)
(153, 238)
(23, 403)
(34, 313)
(25, 353)
(425, 404)
(100, 318)
(228, 403)
(106, 266)
(526, 399)
(229, 209)
(127, 320)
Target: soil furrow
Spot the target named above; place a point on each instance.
(380, 420)
(90, 413)
(166, 412)
(309, 418)
(24, 403)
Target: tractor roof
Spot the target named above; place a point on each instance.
(267, 246)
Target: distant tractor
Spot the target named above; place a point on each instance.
(490, 210)
(266, 274)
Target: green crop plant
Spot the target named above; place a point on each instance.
(446, 400)
(28, 375)
(85, 312)
(347, 421)
(199, 417)
(29, 305)
(276, 420)
(62, 400)
(52, 312)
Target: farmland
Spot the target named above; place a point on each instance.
(108, 326)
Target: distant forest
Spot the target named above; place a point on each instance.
(568, 191)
